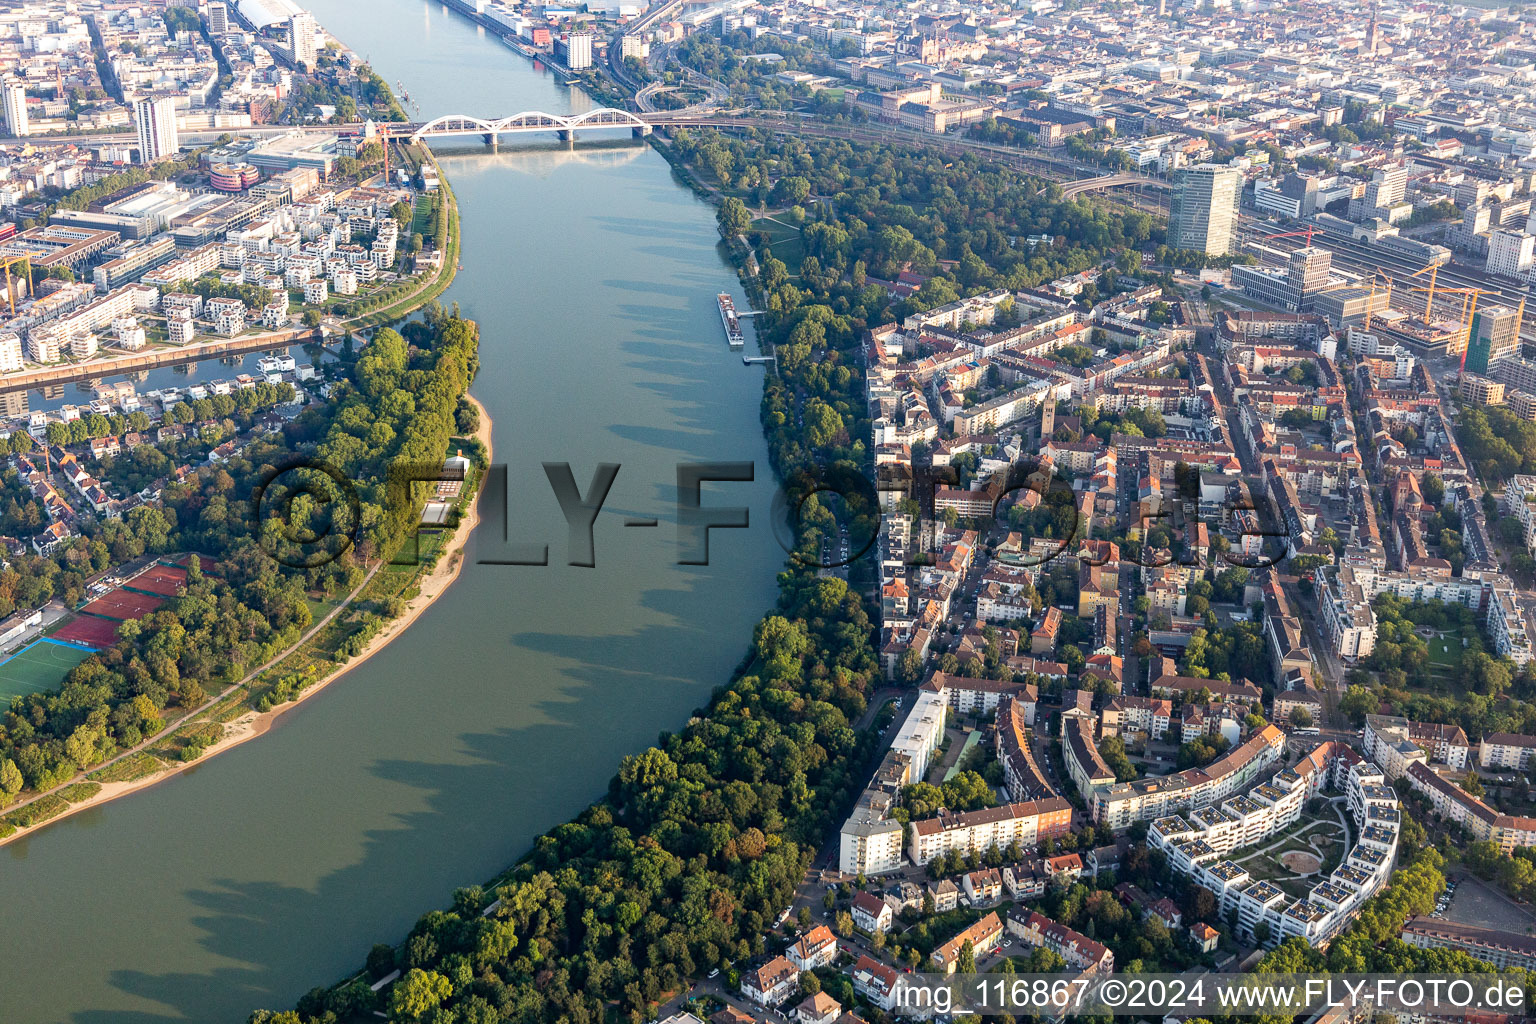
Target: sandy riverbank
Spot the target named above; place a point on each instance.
(254, 723)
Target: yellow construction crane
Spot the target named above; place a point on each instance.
(1370, 307)
(1460, 340)
(10, 283)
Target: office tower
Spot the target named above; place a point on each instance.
(1303, 189)
(1309, 269)
(15, 96)
(218, 18)
(1510, 253)
(1203, 208)
(301, 28)
(155, 118)
(1494, 337)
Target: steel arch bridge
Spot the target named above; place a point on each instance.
(452, 125)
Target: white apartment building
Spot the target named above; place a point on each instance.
(922, 732)
(1454, 804)
(1195, 845)
(10, 352)
(179, 326)
(155, 119)
(13, 93)
(301, 30)
(1396, 744)
(228, 316)
(130, 336)
(981, 696)
(1506, 751)
(1120, 804)
(977, 831)
(1519, 501)
(45, 344)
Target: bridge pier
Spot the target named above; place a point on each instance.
(641, 131)
(566, 135)
(493, 140)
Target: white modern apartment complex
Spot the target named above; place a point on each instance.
(301, 29)
(1196, 844)
(1118, 805)
(922, 732)
(1346, 593)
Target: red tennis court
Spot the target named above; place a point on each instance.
(159, 579)
(89, 630)
(208, 564)
(123, 604)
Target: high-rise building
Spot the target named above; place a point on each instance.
(1511, 253)
(14, 95)
(301, 29)
(1203, 209)
(1494, 337)
(1386, 189)
(218, 18)
(578, 51)
(1309, 269)
(155, 117)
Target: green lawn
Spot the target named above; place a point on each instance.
(784, 240)
(1445, 654)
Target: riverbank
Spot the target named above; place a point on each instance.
(252, 724)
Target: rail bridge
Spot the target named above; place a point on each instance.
(565, 125)
(1122, 179)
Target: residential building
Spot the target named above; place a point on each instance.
(983, 936)
(155, 119)
(13, 93)
(1503, 950)
(871, 913)
(772, 983)
(1024, 824)
(1506, 751)
(1511, 253)
(301, 31)
(816, 948)
(1079, 951)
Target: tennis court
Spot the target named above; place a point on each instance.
(123, 604)
(89, 630)
(164, 580)
(39, 666)
(207, 563)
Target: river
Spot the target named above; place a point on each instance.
(509, 704)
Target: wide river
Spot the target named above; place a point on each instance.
(509, 704)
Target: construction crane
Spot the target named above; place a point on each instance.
(1377, 277)
(1433, 269)
(1307, 234)
(10, 283)
(1461, 340)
